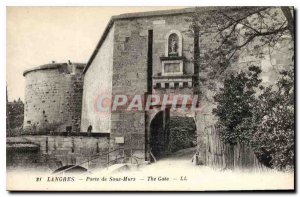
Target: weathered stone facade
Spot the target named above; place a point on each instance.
(127, 72)
(150, 53)
(126, 41)
(97, 82)
(53, 97)
(136, 55)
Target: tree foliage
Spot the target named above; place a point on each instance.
(263, 119)
(14, 117)
(239, 28)
(235, 103)
(273, 139)
(182, 133)
(250, 113)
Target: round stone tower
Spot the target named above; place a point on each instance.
(53, 98)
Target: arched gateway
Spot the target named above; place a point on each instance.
(131, 62)
(170, 131)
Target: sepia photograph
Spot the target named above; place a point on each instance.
(192, 98)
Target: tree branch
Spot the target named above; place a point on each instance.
(262, 34)
(287, 13)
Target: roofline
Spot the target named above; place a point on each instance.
(99, 44)
(204, 9)
(52, 66)
(155, 13)
(131, 16)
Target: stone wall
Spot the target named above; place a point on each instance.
(98, 82)
(23, 155)
(126, 73)
(59, 151)
(130, 78)
(130, 70)
(120, 67)
(161, 27)
(53, 96)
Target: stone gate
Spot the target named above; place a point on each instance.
(143, 54)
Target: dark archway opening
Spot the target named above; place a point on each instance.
(171, 134)
(157, 135)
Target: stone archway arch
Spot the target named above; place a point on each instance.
(160, 133)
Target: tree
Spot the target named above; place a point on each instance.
(235, 103)
(15, 117)
(262, 118)
(238, 28)
(273, 139)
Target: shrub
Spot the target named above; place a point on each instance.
(274, 136)
(235, 105)
(265, 121)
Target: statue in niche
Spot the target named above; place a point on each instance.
(173, 45)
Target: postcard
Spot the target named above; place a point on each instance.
(150, 98)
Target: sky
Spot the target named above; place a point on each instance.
(40, 35)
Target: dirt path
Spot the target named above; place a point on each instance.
(182, 174)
